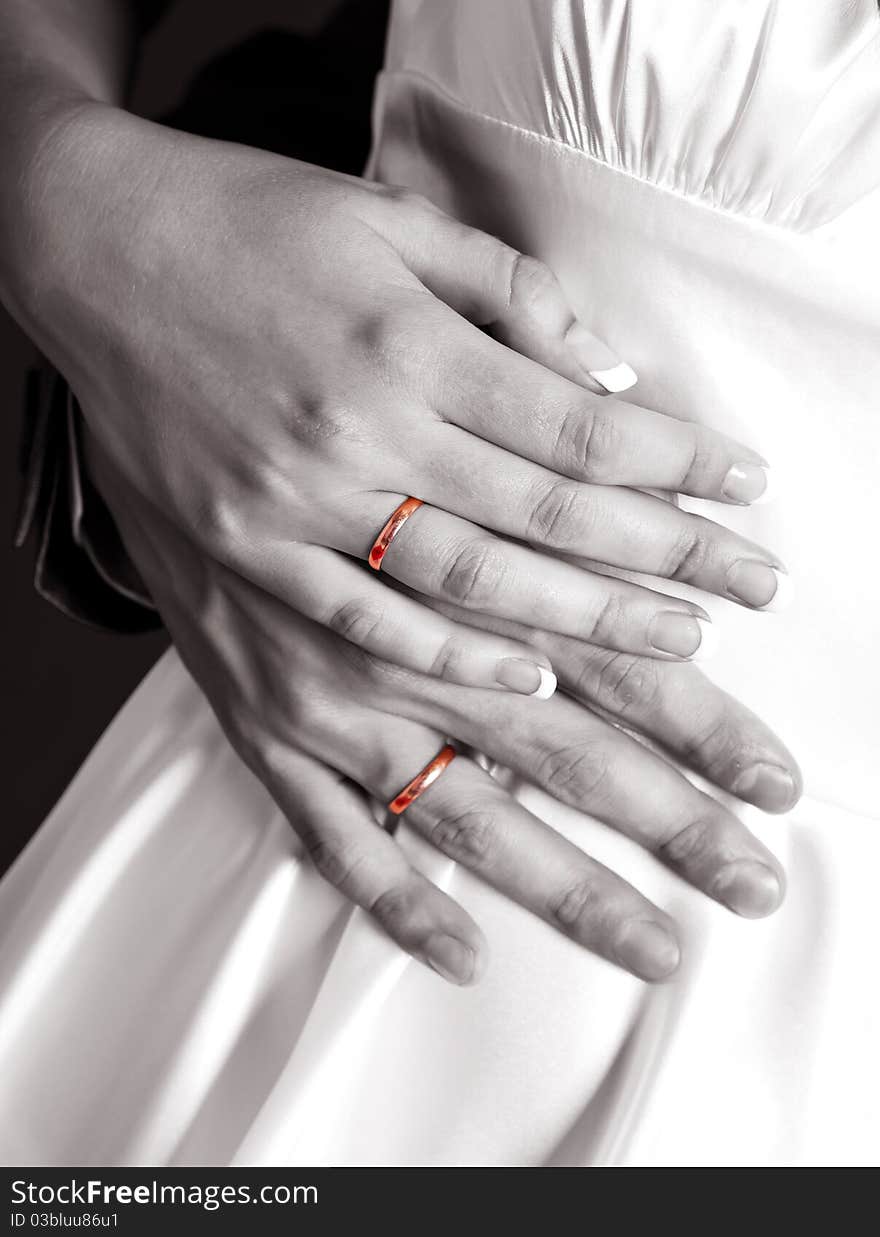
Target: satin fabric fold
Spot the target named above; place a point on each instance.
(765, 108)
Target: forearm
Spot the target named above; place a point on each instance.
(55, 55)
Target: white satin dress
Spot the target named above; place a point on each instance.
(178, 987)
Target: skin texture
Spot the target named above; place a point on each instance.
(270, 357)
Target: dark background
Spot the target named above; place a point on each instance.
(212, 66)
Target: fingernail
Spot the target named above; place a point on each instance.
(767, 786)
(618, 378)
(759, 586)
(526, 677)
(749, 888)
(646, 948)
(450, 958)
(683, 635)
(748, 483)
(598, 361)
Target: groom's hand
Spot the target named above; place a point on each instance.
(320, 722)
(673, 706)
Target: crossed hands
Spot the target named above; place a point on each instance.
(271, 357)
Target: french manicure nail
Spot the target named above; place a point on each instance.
(450, 958)
(646, 948)
(749, 888)
(767, 786)
(683, 635)
(618, 378)
(598, 361)
(526, 677)
(759, 585)
(750, 484)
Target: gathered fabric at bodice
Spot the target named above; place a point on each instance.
(767, 108)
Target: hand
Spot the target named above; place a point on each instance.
(673, 706)
(275, 355)
(319, 721)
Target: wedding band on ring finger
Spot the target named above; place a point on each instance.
(390, 529)
(423, 779)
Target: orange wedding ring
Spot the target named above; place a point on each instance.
(423, 780)
(399, 517)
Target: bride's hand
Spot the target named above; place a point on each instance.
(275, 355)
(319, 721)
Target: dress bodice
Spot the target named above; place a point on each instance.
(768, 108)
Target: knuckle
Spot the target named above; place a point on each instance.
(322, 423)
(393, 909)
(402, 196)
(357, 621)
(530, 286)
(393, 340)
(702, 452)
(474, 576)
(597, 447)
(688, 845)
(572, 444)
(606, 624)
(714, 747)
(449, 660)
(468, 836)
(575, 907)
(280, 394)
(688, 556)
(559, 517)
(626, 683)
(336, 860)
(572, 772)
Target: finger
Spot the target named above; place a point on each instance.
(512, 401)
(582, 761)
(365, 864)
(237, 665)
(470, 817)
(516, 403)
(617, 526)
(516, 296)
(481, 826)
(507, 399)
(682, 710)
(445, 557)
(676, 706)
(356, 604)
